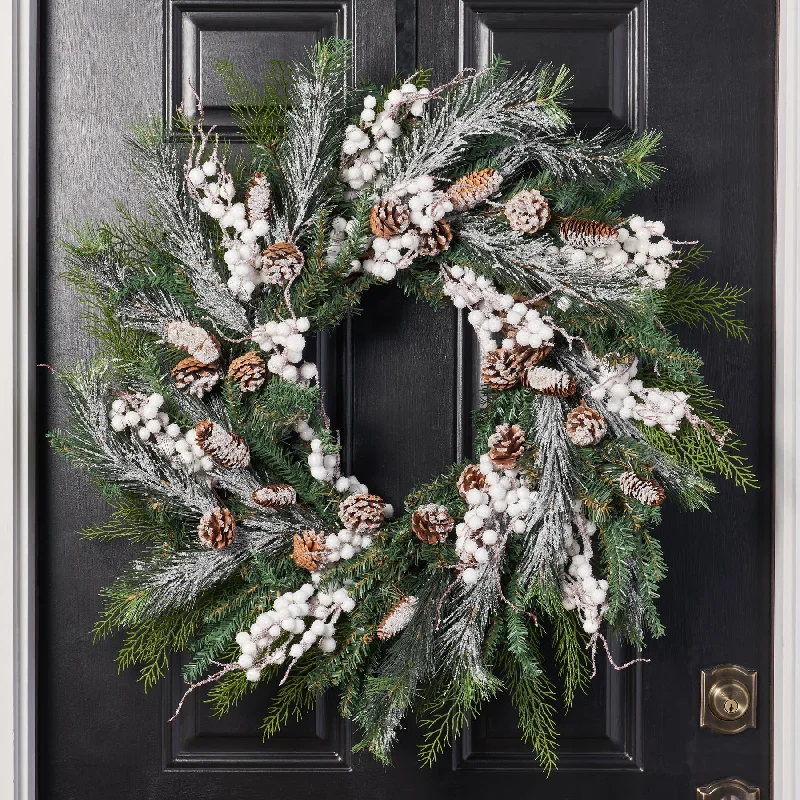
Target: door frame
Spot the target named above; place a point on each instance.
(18, 215)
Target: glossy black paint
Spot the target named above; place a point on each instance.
(400, 382)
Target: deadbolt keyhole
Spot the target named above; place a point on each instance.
(731, 706)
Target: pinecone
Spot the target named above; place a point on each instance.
(309, 550)
(362, 511)
(432, 523)
(396, 618)
(434, 241)
(474, 189)
(194, 340)
(645, 490)
(275, 495)
(527, 211)
(217, 528)
(195, 377)
(248, 371)
(470, 478)
(227, 449)
(506, 445)
(281, 263)
(258, 197)
(549, 381)
(585, 426)
(500, 369)
(586, 233)
(388, 218)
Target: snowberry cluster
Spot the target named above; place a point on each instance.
(528, 329)
(143, 415)
(580, 590)
(295, 623)
(364, 153)
(488, 307)
(639, 249)
(502, 505)
(340, 228)
(631, 399)
(284, 339)
(240, 234)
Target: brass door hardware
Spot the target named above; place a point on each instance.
(728, 699)
(729, 789)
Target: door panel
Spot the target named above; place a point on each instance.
(400, 382)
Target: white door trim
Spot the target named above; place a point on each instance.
(786, 631)
(17, 407)
(18, 78)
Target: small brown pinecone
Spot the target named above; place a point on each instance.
(506, 445)
(281, 263)
(362, 511)
(553, 382)
(585, 426)
(645, 490)
(248, 371)
(275, 495)
(308, 550)
(434, 241)
(527, 211)
(586, 233)
(195, 377)
(500, 369)
(470, 478)
(388, 218)
(474, 189)
(217, 528)
(432, 523)
(258, 197)
(227, 449)
(396, 618)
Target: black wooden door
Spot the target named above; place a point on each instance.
(400, 381)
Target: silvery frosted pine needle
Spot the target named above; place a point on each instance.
(682, 483)
(177, 580)
(156, 161)
(487, 104)
(531, 264)
(314, 128)
(122, 458)
(543, 547)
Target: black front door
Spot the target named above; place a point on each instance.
(401, 381)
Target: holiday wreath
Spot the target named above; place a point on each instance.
(202, 422)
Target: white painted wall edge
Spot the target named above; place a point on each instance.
(786, 632)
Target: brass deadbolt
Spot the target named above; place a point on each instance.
(730, 789)
(728, 699)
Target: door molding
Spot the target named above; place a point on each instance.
(786, 624)
(18, 145)
(18, 79)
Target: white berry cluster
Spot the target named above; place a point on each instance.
(340, 228)
(144, 416)
(426, 207)
(240, 233)
(363, 152)
(631, 399)
(528, 328)
(639, 249)
(580, 590)
(501, 506)
(284, 339)
(308, 616)
(488, 307)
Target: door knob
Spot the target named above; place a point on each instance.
(728, 789)
(728, 698)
